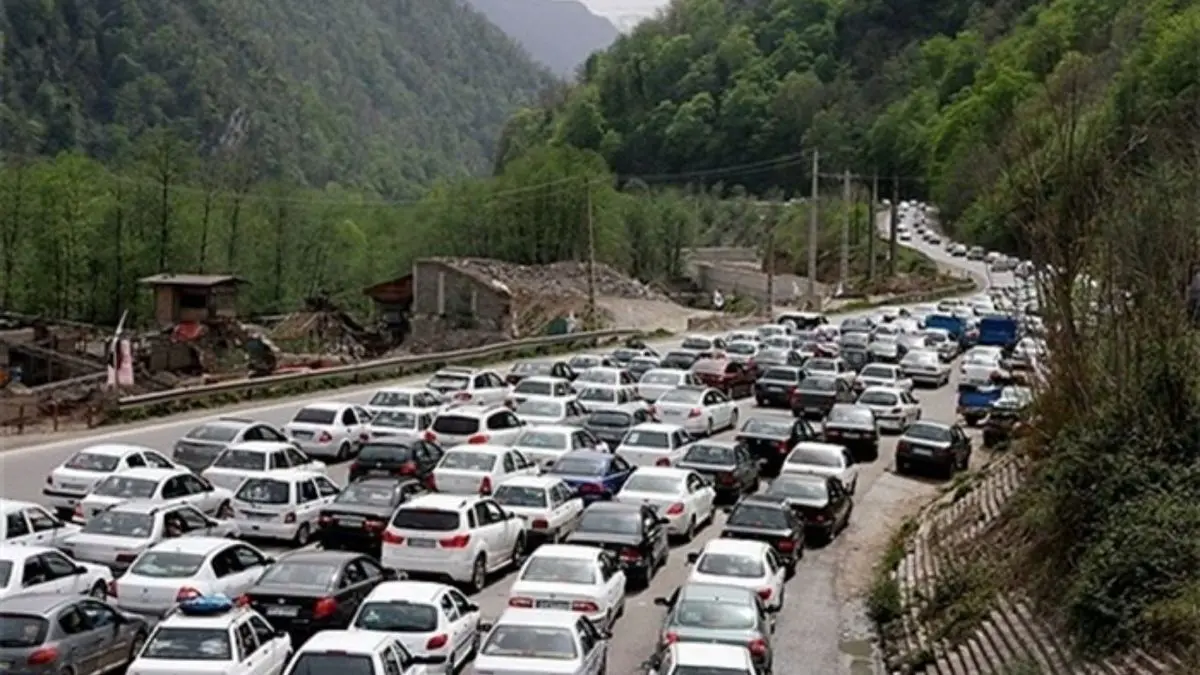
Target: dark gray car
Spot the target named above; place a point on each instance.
(610, 426)
(52, 633)
(720, 614)
(200, 446)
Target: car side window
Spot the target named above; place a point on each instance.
(195, 485)
(98, 614)
(352, 575)
(325, 487)
(40, 520)
(847, 458)
(57, 564)
(772, 561)
(348, 418)
(296, 458)
(608, 565)
(391, 661)
(174, 487)
(481, 514)
(460, 601)
(33, 573)
(247, 643)
(589, 637)
(554, 497)
(494, 512)
(73, 621)
(448, 607)
(157, 461)
(509, 462)
(247, 558)
(480, 382)
(270, 434)
(192, 519)
(618, 465)
(262, 629)
(308, 491)
(277, 461)
(224, 564)
(15, 525)
(135, 460)
(372, 569)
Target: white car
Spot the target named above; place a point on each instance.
(549, 507)
(550, 411)
(232, 640)
(927, 366)
(741, 336)
(826, 367)
(979, 367)
(475, 425)
(770, 330)
(894, 409)
(283, 505)
(604, 377)
(329, 429)
(654, 444)
(595, 398)
(418, 399)
(540, 386)
(185, 568)
(683, 497)
(431, 619)
(26, 523)
(700, 410)
(737, 562)
(361, 652)
(478, 469)
(256, 458)
(28, 569)
(544, 444)
(823, 459)
(537, 641)
(399, 422)
(116, 536)
(882, 375)
(655, 383)
(470, 385)
(581, 579)
(460, 538)
(74, 478)
(164, 486)
(696, 657)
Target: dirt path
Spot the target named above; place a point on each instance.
(649, 315)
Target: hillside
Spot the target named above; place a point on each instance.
(559, 34)
(386, 93)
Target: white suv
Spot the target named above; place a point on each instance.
(463, 538)
(475, 424)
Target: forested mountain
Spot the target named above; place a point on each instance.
(386, 93)
(559, 34)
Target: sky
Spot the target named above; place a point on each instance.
(624, 13)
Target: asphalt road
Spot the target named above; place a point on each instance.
(810, 637)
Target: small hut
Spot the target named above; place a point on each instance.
(193, 298)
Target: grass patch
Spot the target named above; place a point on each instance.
(884, 602)
(960, 599)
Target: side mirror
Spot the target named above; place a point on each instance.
(484, 626)
(664, 521)
(606, 634)
(269, 560)
(472, 607)
(727, 509)
(281, 633)
(662, 602)
(692, 557)
(771, 610)
(79, 569)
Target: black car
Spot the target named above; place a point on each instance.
(401, 456)
(610, 425)
(309, 591)
(945, 447)
(679, 360)
(822, 502)
(776, 386)
(734, 471)
(524, 369)
(635, 532)
(853, 426)
(769, 519)
(357, 517)
(817, 394)
(770, 440)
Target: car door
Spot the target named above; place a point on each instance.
(85, 643)
(347, 428)
(327, 490)
(246, 565)
(459, 636)
(912, 407)
(850, 469)
(704, 493)
(274, 649)
(467, 624)
(570, 508)
(156, 461)
(195, 523)
(297, 459)
(490, 521)
(839, 499)
(200, 493)
(776, 571)
(17, 529)
(654, 532)
(613, 577)
(106, 624)
(428, 455)
(592, 645)
(619, 471)
(255, 660)
(64, 575)
(308, 502)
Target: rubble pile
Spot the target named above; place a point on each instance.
(560, 279)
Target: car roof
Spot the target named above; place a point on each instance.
(10, 505)
(36, 603)
(115, 449)
(882, 390)
(736, 546)
(144, 506)
(193, 545)
(567, 551)
(260, 446)
(721, 656)
(656, 426)
(19, 552)
(613, 507)
(543, 378)
(407, 589)
(819, 446)
(151, 473)
(323, 405)
(665, 471)
(401, 390)
(520, 616)
(228, 422)
(442, 502)
(287, 475)
(346, 641)
(556, 428)
(318, 555)
(718, 592)
(930, 423)
(531, 481)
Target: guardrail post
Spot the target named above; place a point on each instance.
(54, 413)
(21, 419)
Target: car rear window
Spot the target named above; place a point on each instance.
(534, 388)
(815, 458)
(315, 416)
(756, 425)
(448, 381)
(457, 425)
(710, 615)
(221, 433)
(125, 487)
(661, 377)
(397, 616)
(265, 491)
(188, 644)
(598, 394)
(428, 520)
(696, 343)
(928, 432)
(5, 573)
(22, 630)
(578, 466)
(647, 439)
(395, 420)
(384, 451)
(783, 375)
(90, 461)
(702, 453)
(241, 459)
(312, 575)
(818, 384)
(166, 565)
(120, 524)
(762, 517)
(686, 396)
(465, 460)
(610, 418)
(542, 440)
(391, 399)
(315, 663)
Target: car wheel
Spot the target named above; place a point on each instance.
(301, 538)
(518, 551)
(343, 452)
(135, 647)
(99, 590)
(478, 574)
(733, 420)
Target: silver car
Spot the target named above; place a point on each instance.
(55, 633)
(550, 411)
(117, 536)
(329, 429)
(659, 381)
(716, 614)
(200, 446)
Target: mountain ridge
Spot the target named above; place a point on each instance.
(559, 34)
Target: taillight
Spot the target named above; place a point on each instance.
(126, 557)
(408, 468)
(903, 446)
(325, 437)
(289, 517)
(539, 524)
(430, 437)
(675, 509)
(431, 482)
(324, 520)
(42, 656)
(324, 607)
(478, 439)
(663, 461)
(630, 554)
(485, 486)
(243, 601)
(392, 538)
(591, 489)
(373, 525)
(187, 593)
(671, 638)
(695, 412)
(653, 410)
(758, 648)
(585, 606)
(364, 437)
(437, 642)
(764, 593)
(112, 589)
(458, 541)
(786, 546)
(78, 512)
(520, 602)
(725, 478)
(355, 466)
(781, 446)
(49, 480)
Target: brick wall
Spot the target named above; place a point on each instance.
(442, 290)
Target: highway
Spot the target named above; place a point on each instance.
(819, 628)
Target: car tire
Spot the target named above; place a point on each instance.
(99, 590)
(343, 452)
(710, 427)
(478, 574)
(135, 646)
(518, 552)
(302, 536)
(733, 420)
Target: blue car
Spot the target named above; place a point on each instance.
(596, 476)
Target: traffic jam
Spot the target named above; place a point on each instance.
(357, 539)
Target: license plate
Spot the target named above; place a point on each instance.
(924, 452)
(350, 522)
(301, 434)
(259, 516)
(74, 487)
(285, 610)
(379, 472)
(421, 543)
(849, 434)
(553, 604)
(813, 409)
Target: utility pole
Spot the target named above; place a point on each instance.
(872, 227)
(769, 308)
(895, 218)
(844, 266)
(812, 230)
(591, 265)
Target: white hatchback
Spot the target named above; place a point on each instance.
(184, 568)
(823, 459)
(549, 507)
(256, 458)
(283, 505)
(581, 579)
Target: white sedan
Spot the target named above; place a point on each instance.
(894, 409)
(882, 375)
(549, 507)
(431, 619)
(544, 444)
(699, 410)
(581, 579)
(478, 469)
(823, 459)
(737, 562)
(925, 366)
(41, 569)
(654, 444)
(164, 486)
(681, 496)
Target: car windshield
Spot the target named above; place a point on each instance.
(597, 375)
(811, 457)
(534, 388)
(22, 630)
(878, 372)
(316, 663)
(730, 565)
(295, 574)
(704, 453)
(91, 461)
(598, 394)
(879, 398)
(246, 460)
(714, 615)
(579, 466)
(698, 343)
(555, 570)
(533, 368)
(187, 644)
(680, 358)
(610, 522)
(395, 419)
(389, 452)
(762, 427)
(468, 461)
(397, 616)
(539, 408)
(217, 433)
(460, 425)
(542, 440)
(120, 524)
(391, 399)
(759, 517)
(928, 432)
(317, 416)
(782, 375)
(125, 487)
(520, 496)
(647, 439)
(809, 489)
(610, 418)
(850, 415)
(167, 565)
(447, 381)
(684, 396)
(531, 642)
(662, 377)
(429, 520)
(821, 384)
(742, 348)
(640, 482)
(264, 491)
(367, 494)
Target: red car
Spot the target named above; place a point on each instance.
(735, 379)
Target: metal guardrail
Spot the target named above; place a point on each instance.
(356, 369)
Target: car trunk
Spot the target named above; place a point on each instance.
(764, 446)
(812, 511)
(835, 431)
(253, 513)
(550, 595)
(714, 380)
(106, 550)
(813, 401)
(767, 536)
(610, 435)
(657, 500)
(146, 595)
(678, 413)
(230, 479)
(354, 518)
(284, 606)
(722, 474)
(458, 481)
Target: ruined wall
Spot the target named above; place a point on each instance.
(442, 290)
(738, 271)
